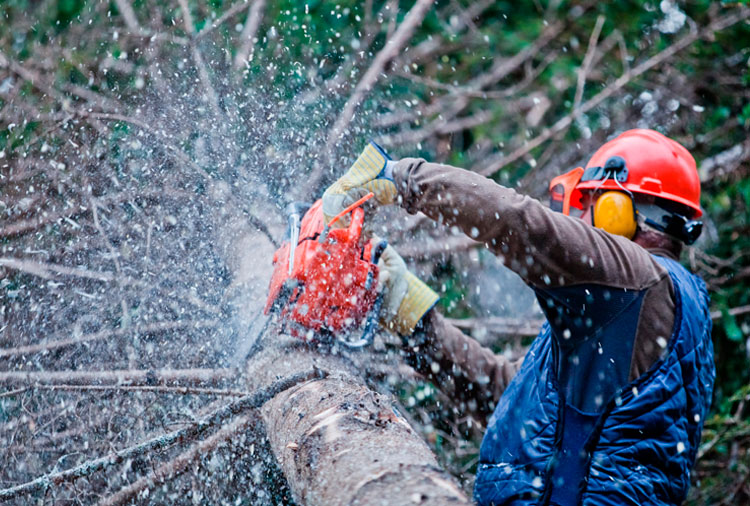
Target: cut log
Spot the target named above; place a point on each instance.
(336, 441)
(339, 442)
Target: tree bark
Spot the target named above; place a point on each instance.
(339, 442)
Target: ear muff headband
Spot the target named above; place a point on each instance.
(614, 213)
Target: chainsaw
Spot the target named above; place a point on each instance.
(324, 282)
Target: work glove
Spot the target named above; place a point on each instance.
(371, 172)
(406, 299)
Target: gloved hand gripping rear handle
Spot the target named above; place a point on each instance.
(374, 315)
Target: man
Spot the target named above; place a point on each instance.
(608, 404)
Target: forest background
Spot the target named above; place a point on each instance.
(138, 137)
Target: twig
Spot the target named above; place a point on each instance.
(11, 393)
(208, 87)
(394, 45)
(217, 417)
(249, 32)
(179, 154)
(724, 163)
(128, 14)
(231, 12)
(503, 67)
(496, 164)
(104, 334)
(23, 226)
(179, 464)
(187, 17)
(131, 377)
(446, 245)
(114, 254)
(46, 270)
(500, 325)
(735, 311)
(586, 65)
(133, 388)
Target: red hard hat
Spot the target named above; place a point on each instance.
(655, 165)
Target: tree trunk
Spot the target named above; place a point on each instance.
(336, 441)
(339, 442)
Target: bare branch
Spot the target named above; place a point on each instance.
(215, 418)
(231, 12)
(187, 17)
(106, 334)
(500, 325)
(131, 377)
(132, 388)
(586, 65)
(179, 464)
(394, 45)
(46, 270)
(249, 33)
(498, 163)
(23, 226)
(128, 14)
(503, 67)
(735, 311)
(724, 163)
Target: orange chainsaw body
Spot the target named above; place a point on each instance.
(331, 287)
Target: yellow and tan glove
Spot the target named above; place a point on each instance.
(406, 299)
(368, 174)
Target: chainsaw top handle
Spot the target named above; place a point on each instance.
(349, 208)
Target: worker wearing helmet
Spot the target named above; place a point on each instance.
(608, 404)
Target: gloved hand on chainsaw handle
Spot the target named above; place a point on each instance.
(371, 172)
(406, 299)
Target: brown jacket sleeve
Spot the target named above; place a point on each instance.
(463, 369)
(547, 249)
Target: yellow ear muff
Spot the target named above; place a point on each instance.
(614, 213)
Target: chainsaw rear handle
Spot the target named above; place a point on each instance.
(374, 315)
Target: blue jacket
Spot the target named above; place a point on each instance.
(638, 449)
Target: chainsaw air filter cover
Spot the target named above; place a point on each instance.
(331, 286)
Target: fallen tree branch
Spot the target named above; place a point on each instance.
(215, 418)
(231, 12)
(503, 67)
(392, 48)
(500, 325)
(583, 71)
(130, 388)
(47, 270)
(105, 334)
(724, 163)
(498, 162)
(130, 377)
(735, 311)
(22, 226)
(128, 15)
(249, 32)
(363, 449)
(179, 464)
(447, 245)
(178, 153)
